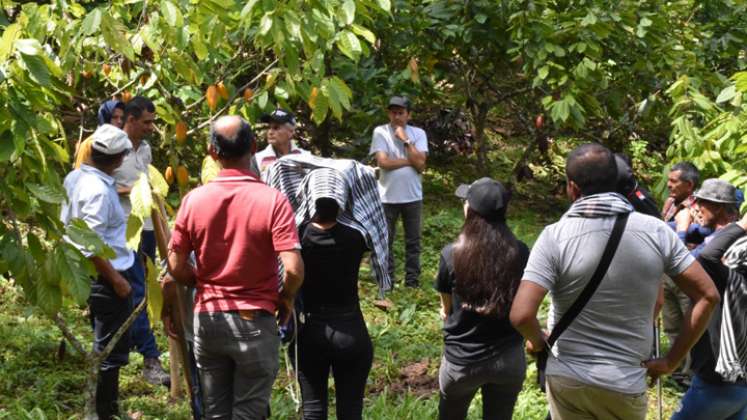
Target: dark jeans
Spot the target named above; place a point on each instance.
(339, 341)
(148, 244)
(499, 378)
(237, 358)
(108, 313)
(142, 335)
(411, 219)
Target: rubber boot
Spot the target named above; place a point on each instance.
(107, 394)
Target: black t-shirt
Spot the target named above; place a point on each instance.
(331, 260)
(468, 336)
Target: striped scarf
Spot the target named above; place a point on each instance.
(599, 205)
(363, 211)
(732, 356)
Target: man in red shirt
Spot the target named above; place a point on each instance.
(237, 227)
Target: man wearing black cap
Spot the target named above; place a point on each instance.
(401, 150)
(282, 127)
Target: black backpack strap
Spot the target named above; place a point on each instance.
(593, 284)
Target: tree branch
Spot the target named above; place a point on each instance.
(57, 318)
(99, 357)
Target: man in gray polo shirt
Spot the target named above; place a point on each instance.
(598, 366)
(400, 151)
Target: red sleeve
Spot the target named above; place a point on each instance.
(180, 237)
(284, 232)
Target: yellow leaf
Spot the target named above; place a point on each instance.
(157, 182)
(210, 169)
(155, 297)
(134, 228)
(141, 197)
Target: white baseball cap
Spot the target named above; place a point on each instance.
(110, 140)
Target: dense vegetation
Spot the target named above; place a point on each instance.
(503, 87)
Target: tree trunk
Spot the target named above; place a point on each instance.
(480, 114)
(322, 140)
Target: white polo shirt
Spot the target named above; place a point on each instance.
(93, 198)
(267, 156)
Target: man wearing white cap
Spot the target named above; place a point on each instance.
(92, 197)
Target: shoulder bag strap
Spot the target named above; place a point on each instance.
(596, 278)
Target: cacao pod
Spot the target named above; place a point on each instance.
(211, 95)
(181, 132)
(248, 94)
(106, 68)
(182, 176)
(169, 175)
(222, 91)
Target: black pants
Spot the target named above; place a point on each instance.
(339, 341)
(108, 313)
(411, 214)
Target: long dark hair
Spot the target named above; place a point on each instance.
(487, 266)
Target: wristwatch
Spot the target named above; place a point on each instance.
(407, 142)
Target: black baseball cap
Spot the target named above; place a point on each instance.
(486, 196)
(400, 101)
(280, 116)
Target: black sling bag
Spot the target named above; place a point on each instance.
(583, 298)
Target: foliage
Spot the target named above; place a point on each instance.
(60, 60)
(711, 132)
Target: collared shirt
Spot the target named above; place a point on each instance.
(671, 209)
(401, 185)
(606, 343)
(266, 157)
(93, 198)
(135, 163)
(236, 225)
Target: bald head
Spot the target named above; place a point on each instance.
(231, 137)
(592, 168)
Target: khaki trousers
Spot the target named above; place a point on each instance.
(573, 400)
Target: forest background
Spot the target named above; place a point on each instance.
(503, 88)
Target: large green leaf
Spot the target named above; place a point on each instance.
(114, 35)
(172, 14)
(10, 34)
(48, 294)
(349, 44)
(75, 272)
(49, 193)
(347, 12)
(92, 22)
(80, 234)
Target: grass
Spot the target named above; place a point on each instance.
(36, 384)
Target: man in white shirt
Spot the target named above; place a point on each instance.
(139, 115)
(400, 151)
(92, 198)
(280, 132)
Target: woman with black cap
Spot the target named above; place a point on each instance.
(477, 279)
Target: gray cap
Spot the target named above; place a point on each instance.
(717, 191)
(400, 101)
(110, 140)
(485, 196)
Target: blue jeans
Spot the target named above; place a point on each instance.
(142, 335)
(713, 402)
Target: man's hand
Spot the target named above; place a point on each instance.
(658, 367)
(683, 219)
(169, 314)
(535, 348)
(399, 133)
(120, 285)
(285, 308)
